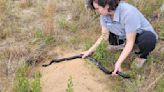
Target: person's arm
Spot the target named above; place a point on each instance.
(104, 35)
(130, 40)
(131, 18)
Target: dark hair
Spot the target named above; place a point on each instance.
(112, 3)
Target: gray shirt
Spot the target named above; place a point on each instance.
(126, 19)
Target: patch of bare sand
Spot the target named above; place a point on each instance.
(85, 77)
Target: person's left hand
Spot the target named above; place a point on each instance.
(117, 68)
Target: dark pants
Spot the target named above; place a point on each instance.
(145, 41)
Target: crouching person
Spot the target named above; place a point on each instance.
(126, 27)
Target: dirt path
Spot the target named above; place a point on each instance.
(85, 77)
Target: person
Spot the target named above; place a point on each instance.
(123, 25)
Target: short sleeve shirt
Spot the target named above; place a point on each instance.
(126, 19)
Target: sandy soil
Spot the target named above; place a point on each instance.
(85, 77)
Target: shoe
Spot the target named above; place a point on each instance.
(139, 62)
(116, 47)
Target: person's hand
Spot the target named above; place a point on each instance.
(117, 68)
(85, 54)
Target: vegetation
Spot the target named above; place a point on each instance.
(70, 85)
(31, 29)
(24, 84)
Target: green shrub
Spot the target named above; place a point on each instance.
(106, 57)
(161, 33)
(49, 39)
(35, 86)
(159, 85)
(100, 52)
(63, 23)
(23, 83)
(70, 85)
(40, 37)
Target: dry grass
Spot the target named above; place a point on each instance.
(48, 16)
(24, 3)
(15, 36)
(11, 57)
(40, 28)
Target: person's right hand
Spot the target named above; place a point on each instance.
(85, 54)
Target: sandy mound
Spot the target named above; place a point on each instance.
(85, 77)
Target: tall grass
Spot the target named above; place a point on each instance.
(43, 38)
(6, 19)
(148, 7)
(48, 15)
(75, 24)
